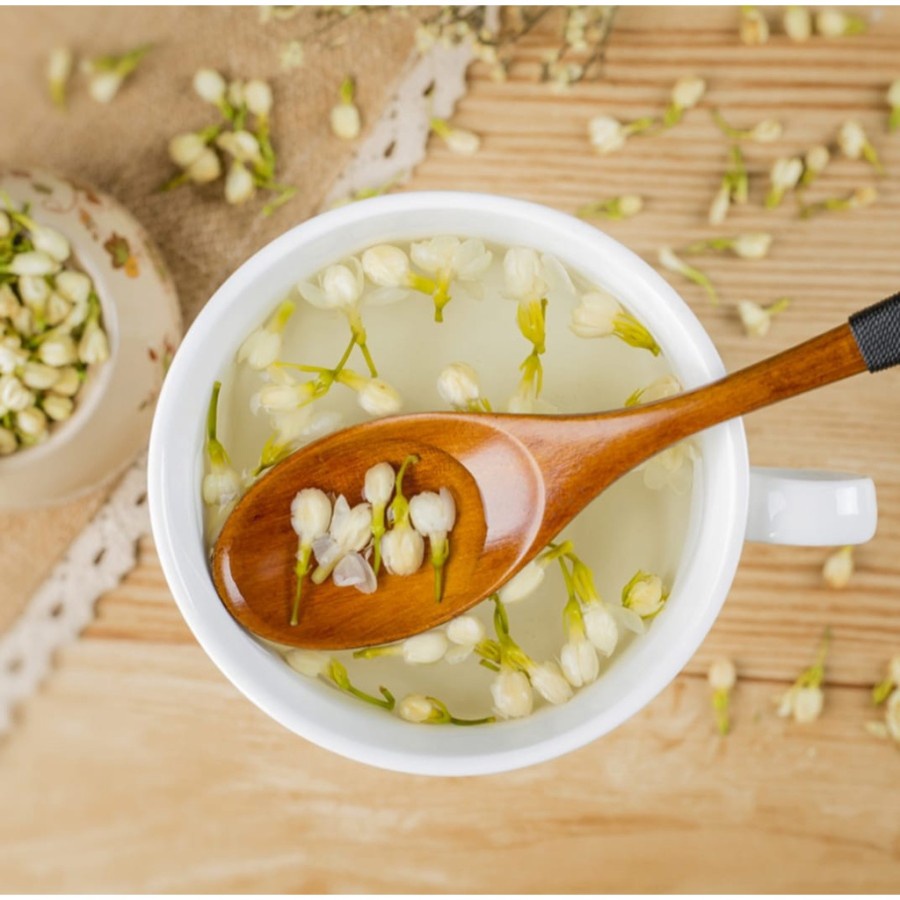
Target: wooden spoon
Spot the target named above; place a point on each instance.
(517, 481)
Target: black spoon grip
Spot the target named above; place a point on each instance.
(877, 333)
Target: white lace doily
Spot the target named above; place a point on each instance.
(106, 550)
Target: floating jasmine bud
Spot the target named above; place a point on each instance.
(668, 260)
(838, 568)
(14, 396)
(263, 346)
(722, 677)
(345, 119)
(419, 650)
(548, 680)
(465, 631)
(804, 699)
(600, 315)
(57, 408)
(524, 583)
(336, 673)
(784, 176)
(431, 711)
(108, 73)
(797, 22)
(210, 86)
(854, 144)
(311, 663)
(686, 94)
(377, 490)
(458, 140)
(433, 516)
(34, 291)
(310, 518)
(578, 656)
(59, 350)
(893, 98)
(458, 386)
(623, 207)
(374, 395)
(31, 424)
(450, 261)
(59, 70)
(349, 532)
(754, 27)
(672, 468)
(644, 594)
(512, 694)
(756, 319)
(402, 548)
(221, 484)
(834, 23)
(284, 398)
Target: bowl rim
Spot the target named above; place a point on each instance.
(725, 467)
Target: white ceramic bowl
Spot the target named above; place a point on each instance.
(143, 320)
(715, 532)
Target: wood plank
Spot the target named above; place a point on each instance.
(139, 767)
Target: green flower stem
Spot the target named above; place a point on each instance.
(440, 715)
(488, 650)
(400, 505)
(815, 674)
(774, 197)
(870, 155)
(441, 298)
(378, 531)
(300, 570)
(347, 91)
(882, 690)
(440, 552)
(720, 704)
(736, 177)
(894, 120)
(338, 674)
(735, 134)
(376, 652)
(639, 126)
(214, 448)
(701, 279)
(285, 192)
(357, 329)
(175, 181)
(672, 115)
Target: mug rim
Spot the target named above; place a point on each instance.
(724, 466)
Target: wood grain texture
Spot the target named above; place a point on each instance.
(138, 767)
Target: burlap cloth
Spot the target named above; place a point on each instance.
(121, 148)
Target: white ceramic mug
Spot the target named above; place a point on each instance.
(783, 506)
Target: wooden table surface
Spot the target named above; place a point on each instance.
(138, 767)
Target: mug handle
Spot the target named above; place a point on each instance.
(806, 508)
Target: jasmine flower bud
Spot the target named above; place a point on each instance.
(205, 168)
(33, 262)
(242, 145)
(378, 398)
(688, 91)
(209, 86)
(341, 286)
(8, 442)
(403, 550)
(14, 396)
(379, 484)
(833, 23)
(34, 291)
(668, 260)
(310, 514)
(11, 358)
(752, 246)
(185, 149)
(524, 583)
(311, 663)
(766, 131)
(38, 376)
(9, 303)
(644, 594)
(50, 241)
(754, 27)
(103, 86)
(31, 424)
(720, 205)
(386, 266)
(814, 163)
(623, 207)
(258, 97)
(722, 675)
(69, 382)
(807, 704)
(458, 386)
(838, 568)
(221, 485)
(458, 140)
(433, 516)
(548, 681)
(523, 275)
(236, 93)
(579, 661)
(511, 693)
(892, 716)
(59, 70)
(606, 134)
(345, 118)
(465, 631)
(58, 408)
(58, 351)
(75, 287)
(854, 144)
(804, 699)
(261, 348)
(663, 387)
(239, 184)
(417, 708)
(797, 23)
(423, 649)
(756, 319)
(601, 628)
(785, 174)
(600, 315)
(93, 347)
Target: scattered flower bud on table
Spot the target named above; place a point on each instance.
(754, 29)
(797, 22)
(722, 678)
(858, 199)
(784, 176)
(764, 132)
(855, 144)
(838, 568)
(890, 683)
(623, 207)
(833, 23)
(460, 141)
(458, 386)
(107, 74)
(345, 119)
(756, 319)
(893, 98)
(59, 70)
(686, 94)
(804, 699)
(669, 261)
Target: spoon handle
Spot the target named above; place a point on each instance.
(870, 340)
